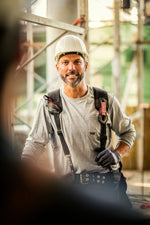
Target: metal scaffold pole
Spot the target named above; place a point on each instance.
(116, 70)
(30, 73)
(83, 13)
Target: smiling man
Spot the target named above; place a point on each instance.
(72, 70)
(76, 121)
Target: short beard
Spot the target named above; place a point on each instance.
(79, 78)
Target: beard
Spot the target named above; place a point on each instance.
(74, 82)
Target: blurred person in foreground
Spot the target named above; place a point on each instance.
(29, 195)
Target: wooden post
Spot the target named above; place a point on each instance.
(140, 124)
(116, 70)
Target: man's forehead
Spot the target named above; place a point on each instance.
(71, 57)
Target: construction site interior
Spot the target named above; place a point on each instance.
(117, 36)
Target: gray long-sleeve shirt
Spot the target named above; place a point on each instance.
(81, 129)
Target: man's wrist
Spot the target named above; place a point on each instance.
(118, 156)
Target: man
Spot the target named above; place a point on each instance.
(79, 122)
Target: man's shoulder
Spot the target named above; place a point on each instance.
(53, 101)
(53, 92)
(102, 93)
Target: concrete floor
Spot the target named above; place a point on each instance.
(139, 189)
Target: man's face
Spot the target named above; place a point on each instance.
(72, 69)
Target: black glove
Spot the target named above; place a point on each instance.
(107, 158)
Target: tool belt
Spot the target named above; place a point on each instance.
(94, 178)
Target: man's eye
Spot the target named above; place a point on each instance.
(77, 62)
(65, 62)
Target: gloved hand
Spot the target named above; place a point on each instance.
(107, 158)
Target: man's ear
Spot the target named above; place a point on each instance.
(86, 65)
(57, 67)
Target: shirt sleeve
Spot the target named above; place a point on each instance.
(121, 123)
(39, 135)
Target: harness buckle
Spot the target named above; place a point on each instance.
(102, 117)
(59, 132)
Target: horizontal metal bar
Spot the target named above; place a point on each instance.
(136, 116)
(39, 78)
(22, 121)
(51, 23)
(147, 42)
(40, 89)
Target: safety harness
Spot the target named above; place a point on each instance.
(54, 104)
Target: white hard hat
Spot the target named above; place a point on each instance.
(70, 44)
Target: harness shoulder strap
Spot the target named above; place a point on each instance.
(100, 94)
(54, 105)
(101, 104)
(54, 100)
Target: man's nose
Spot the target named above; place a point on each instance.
(71, 66)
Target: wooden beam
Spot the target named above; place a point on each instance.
(140, 123)
(34, 44)
(51, 23)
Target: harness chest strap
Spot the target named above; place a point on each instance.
(63, 142)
